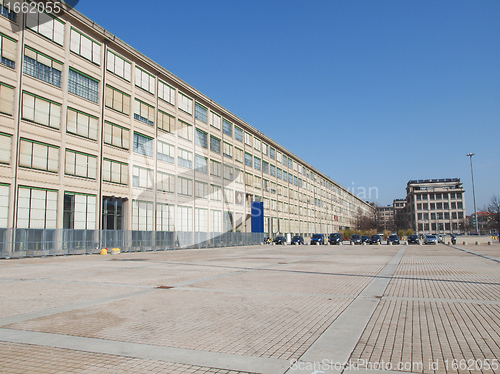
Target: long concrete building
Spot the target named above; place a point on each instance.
(95, 135)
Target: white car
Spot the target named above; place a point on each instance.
(430, 239)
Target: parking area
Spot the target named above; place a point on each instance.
(260, 309)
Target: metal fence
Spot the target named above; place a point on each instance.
(20, 243)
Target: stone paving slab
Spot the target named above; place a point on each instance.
(259, 309)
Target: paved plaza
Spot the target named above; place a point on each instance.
(262, 309)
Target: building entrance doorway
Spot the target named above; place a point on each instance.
(113, 212)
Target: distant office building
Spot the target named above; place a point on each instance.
(436, 206)
(95, 135)
(385, 216)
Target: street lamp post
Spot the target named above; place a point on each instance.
(473, 192)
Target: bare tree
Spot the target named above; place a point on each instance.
(494, 209)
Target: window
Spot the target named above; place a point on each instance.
(83, 85)
(46, 25)
(185, 159)
(264, 148)
(117, 100)
(10, 14)
(80, 164)
(256, 144)
(201, 164)
(248, 179)
(216, 221)
(200, 138)
(119, 66)
(248, 139)
(227, 127)
(142, 215)
(116, 135)
(285, 176)
(143, 144)
(228, 172)
(166, 92)
(290, 178)
(166, 122)
(238, 175)
(248, 159)
(228, 150)
(215, 168)
(6, 99)
(37, 208)
(201, 190)
(200, 112)
(79, 211)
(265, 167)
(279, 157)
(238, 155)
(165, 152)
(273, 170)
(228, 196)
(114, 171)
(184, 218)
(144, 80)
(201, 220)
(8, 51)
(84, 46)
(185, 103)
(238, 134)
(164, 217)
(290, 165)
(5, 150)
(285, 161)
(144, 112)
(279, 174)
(41, 111)
(215, 193)
(256, 163)
(142, 177)
(215, 120)
(185, 186)
(214, 144)
(41, 156)
(82, 124)
(272, 153)
(257, 182)
(165, 182)
(185, 130)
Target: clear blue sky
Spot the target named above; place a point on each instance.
(386, 90)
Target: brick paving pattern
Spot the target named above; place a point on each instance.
(258, 306)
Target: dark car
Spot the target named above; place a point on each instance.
(279, 240)
(365, 239)
(356, 239)
(336, 238)
(318, 239)
(413, 239)
(375, 239)
(394, 239)
(298, 240)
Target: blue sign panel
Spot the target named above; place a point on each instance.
(257, 216)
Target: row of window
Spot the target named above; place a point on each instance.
(440, 215)
(440, 206)
(440, 196)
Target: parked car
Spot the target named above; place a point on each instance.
(318, 239)
(356, 239)
(279, 240)
(375, 239)
(365, 239)
(430, 239)
(413, 239)
(394, 239)
(336, 238)
(298, 240)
